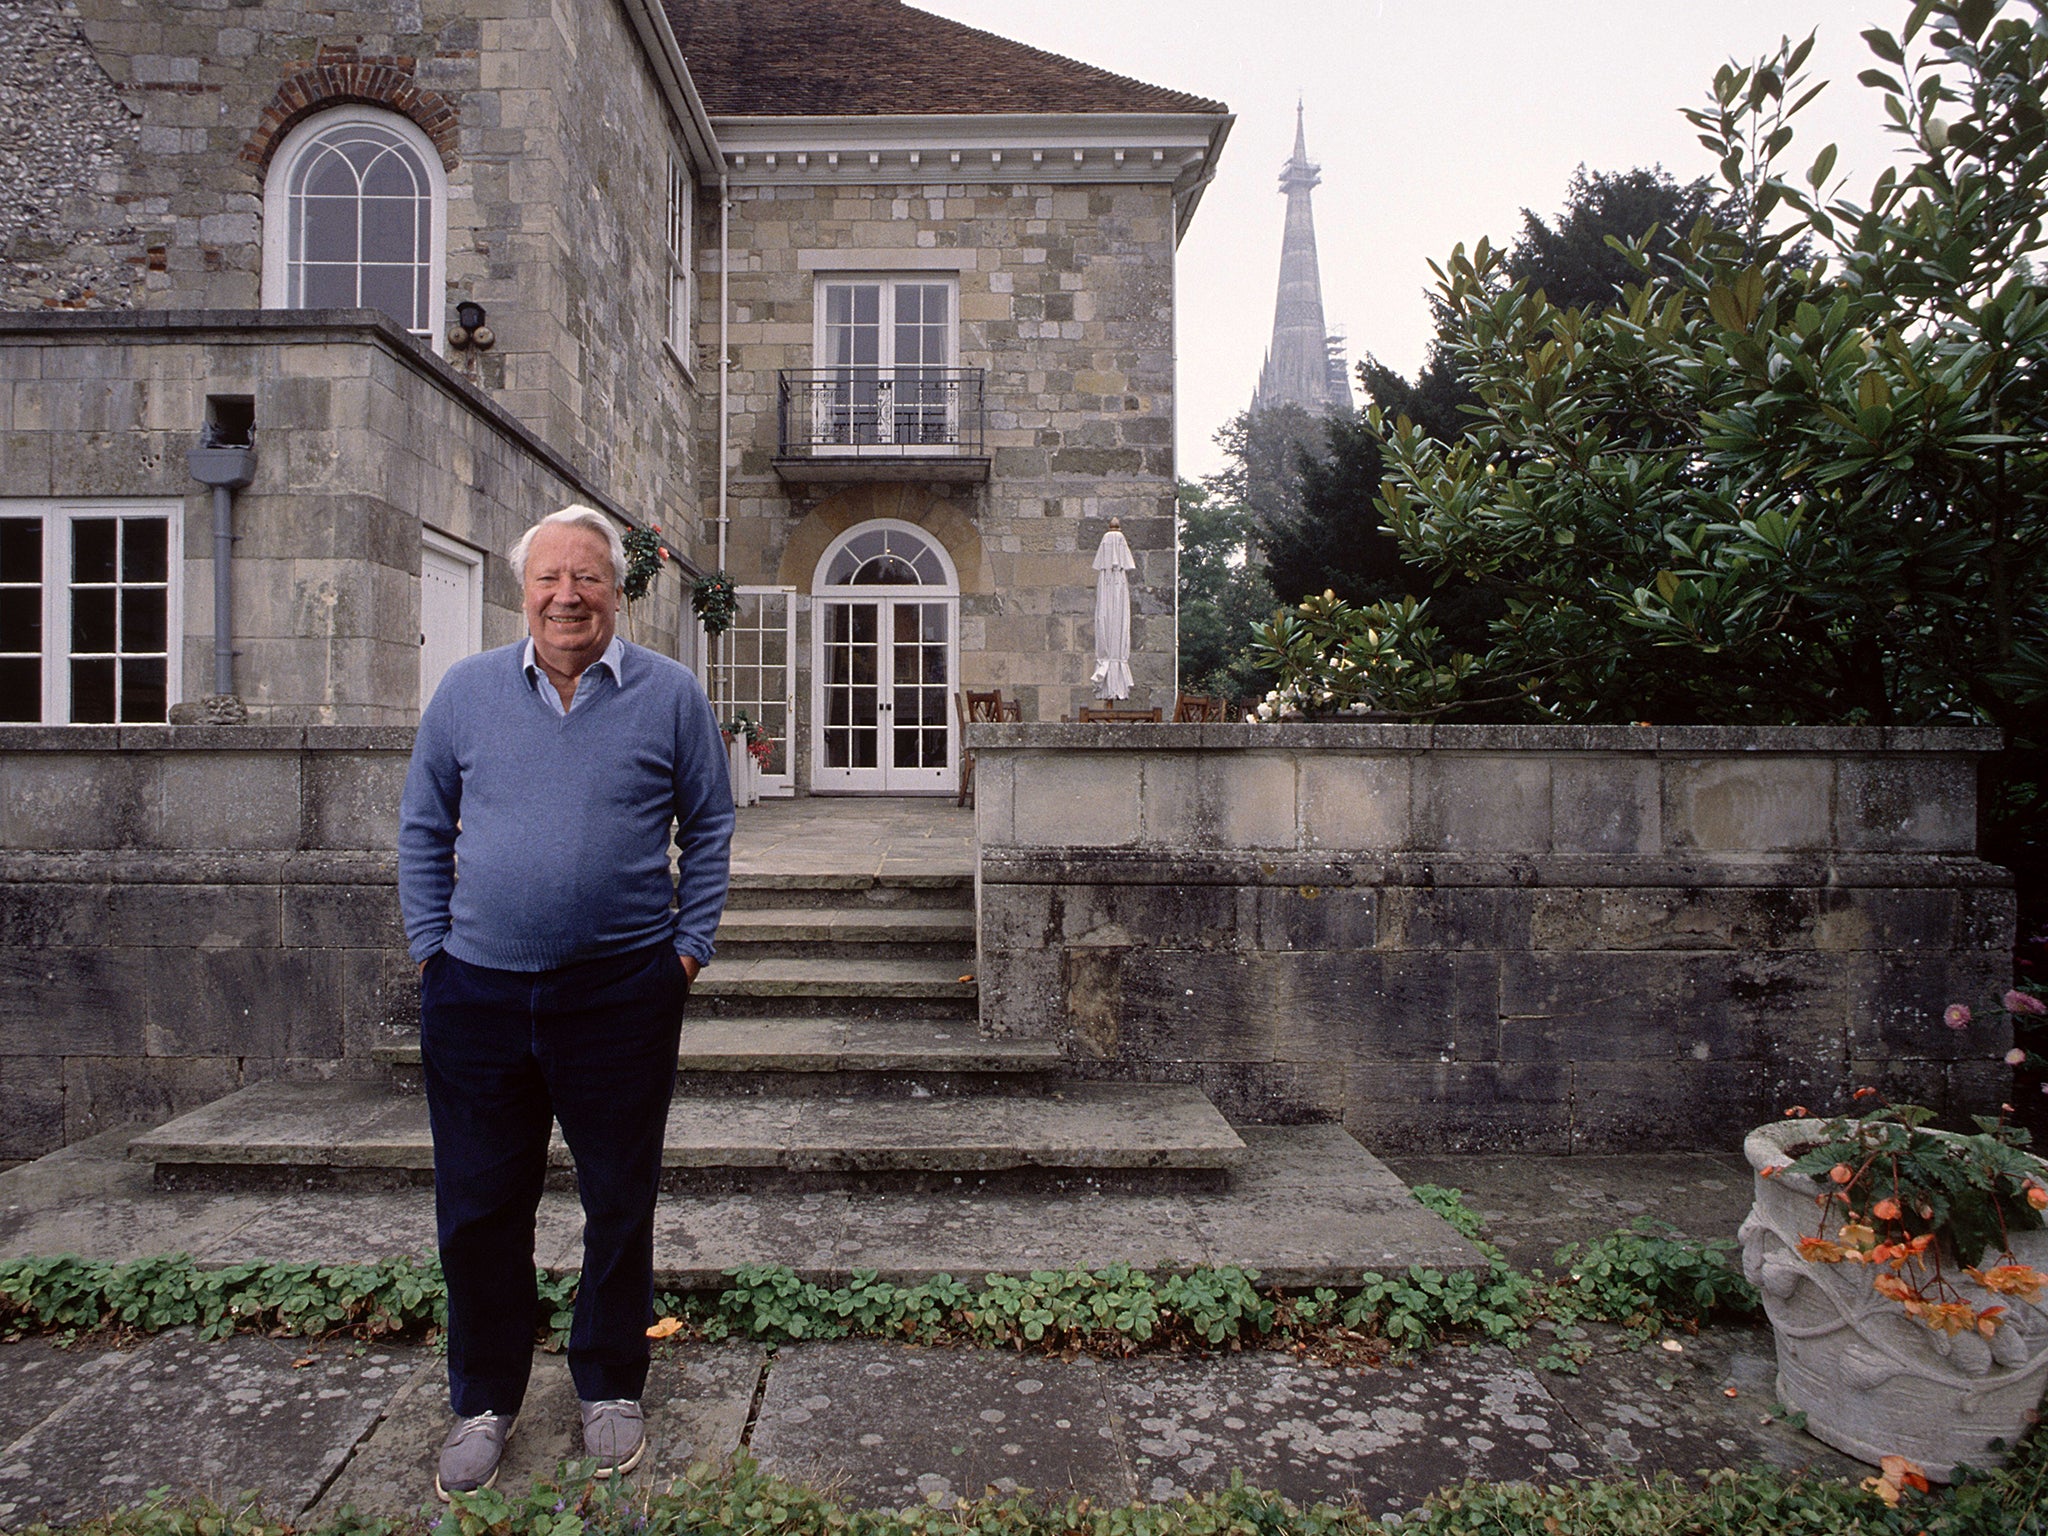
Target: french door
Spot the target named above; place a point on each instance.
(884, 678)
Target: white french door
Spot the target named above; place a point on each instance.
(882, 695)
(757, 676)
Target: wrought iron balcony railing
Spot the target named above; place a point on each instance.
(881, 413)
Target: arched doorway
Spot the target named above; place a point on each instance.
(886, 657)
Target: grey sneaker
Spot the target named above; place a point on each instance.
(470, 1454)
(615, 1434)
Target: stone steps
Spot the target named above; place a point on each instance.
(800, 986)
(843, 891)
(880, 932)
(354, 1134)
(912, 1058)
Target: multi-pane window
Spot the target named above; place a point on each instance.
(87, 610)
(680, 215)
(355, 217)
(887, 344)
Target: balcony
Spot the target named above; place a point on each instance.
(847, 425)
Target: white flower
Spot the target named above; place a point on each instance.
(1265, 710)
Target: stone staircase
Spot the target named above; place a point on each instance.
(833, 1045)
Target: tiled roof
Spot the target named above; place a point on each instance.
(848, 58)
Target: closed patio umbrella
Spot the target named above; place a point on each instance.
(1113, 565)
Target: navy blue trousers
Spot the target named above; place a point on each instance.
(506, 1054)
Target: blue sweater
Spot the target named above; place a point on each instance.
(559, 824)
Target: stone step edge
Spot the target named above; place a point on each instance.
(756, 1134)
(711, 985)
(969, 1057)
(763, 880)
(849, 924)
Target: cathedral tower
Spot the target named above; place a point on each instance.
(1305, 363)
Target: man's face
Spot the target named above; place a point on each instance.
(572, 603)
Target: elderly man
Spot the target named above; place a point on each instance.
(556, 951)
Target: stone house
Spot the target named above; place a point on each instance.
(870, 309)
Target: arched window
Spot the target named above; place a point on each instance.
(886, 554)
(355, 216)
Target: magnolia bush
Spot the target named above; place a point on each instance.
(1797, 471)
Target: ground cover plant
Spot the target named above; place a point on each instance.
(741, 1500)
(1644, 1278)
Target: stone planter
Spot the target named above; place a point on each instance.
(744, 772)
(1870, 1380)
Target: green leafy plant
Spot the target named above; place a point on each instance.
(645, 556)
(1649, 1273)
(1919, 1205)
(716, 602)
(1330, 658)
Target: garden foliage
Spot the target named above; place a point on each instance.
(1799, 472)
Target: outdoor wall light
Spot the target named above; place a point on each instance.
(469, 329)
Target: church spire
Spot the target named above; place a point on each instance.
(1301, 367)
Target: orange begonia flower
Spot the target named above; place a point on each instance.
(2019, 1280)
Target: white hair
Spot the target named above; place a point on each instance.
(587, 518)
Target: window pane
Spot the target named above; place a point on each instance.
(327, 229)
(390, 290)
(392, 175)
(328, 174)
(390, 229)
(142, 620)
(142, 688)
(145, 549)
(21, 619)
(92, 619)
(21, 549)
(21, 689)
(327, 288)
(92, 549)
(92, 691)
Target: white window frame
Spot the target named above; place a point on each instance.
(277, 208)
(680, 293)
(57, 516)
(889, 282)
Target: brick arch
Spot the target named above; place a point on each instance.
(340, 77)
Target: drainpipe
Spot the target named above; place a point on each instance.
(226, 470)
(724, 372)
(724, 353)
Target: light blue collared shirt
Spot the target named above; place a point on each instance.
(538, 680)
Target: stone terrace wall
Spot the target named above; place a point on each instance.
(361, 438)
(186, 909)
(1495, 938)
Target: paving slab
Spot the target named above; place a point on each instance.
(909, 1237)
(697, 1238)
(1665, 1409)
(278, 1417)
(1384, 1437)
(88, 1199)
(696, 1402)
(1324, 1212)
(893, 1426)
(814, 834)
(37, 1379)
(1533, 1205)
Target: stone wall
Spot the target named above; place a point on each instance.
(361, 439)
(1066, 299)
(1495, 938)
(147, 132)
(184, 910)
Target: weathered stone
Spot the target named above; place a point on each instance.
(1897, 803)
(1763, 803)
(193, 916)
(1482, 803)
(1413, 1106)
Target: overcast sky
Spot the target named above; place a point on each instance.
(1435, 122)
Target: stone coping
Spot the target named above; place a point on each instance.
(1690, 870)
(284, 327)
(1382, 736)
(205, 738)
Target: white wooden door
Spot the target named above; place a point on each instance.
(882, 718)
(451, 607)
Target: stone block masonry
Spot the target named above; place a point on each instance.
(1476, 938)
(1065, 302)
(185, 910)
